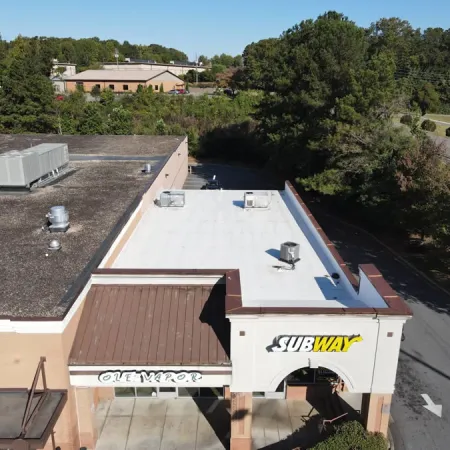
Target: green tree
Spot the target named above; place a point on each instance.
(161, 88)
(96, 91)
(352, 435)
(26, 94)
(92, 120)
(328, 95)
(203, 60)
(161, 127)
(426, 98)
(120, 121)
(107, 97)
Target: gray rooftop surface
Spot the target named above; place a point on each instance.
(95, 145)
(98, 194)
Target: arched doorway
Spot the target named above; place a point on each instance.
(297, 383)
(306, 381)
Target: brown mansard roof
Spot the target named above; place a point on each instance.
(153, 325)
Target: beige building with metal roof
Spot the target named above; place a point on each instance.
(124, 81)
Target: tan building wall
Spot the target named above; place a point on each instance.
(20, 357)
(20, 352)
(71, 86)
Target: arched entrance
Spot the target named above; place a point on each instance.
(297, 383)
(319, 373)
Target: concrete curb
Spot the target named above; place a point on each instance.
(396, 254)
(390, 439)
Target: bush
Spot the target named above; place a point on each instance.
(406, 119)
(352, 435)
(447, 132)
(428, 125)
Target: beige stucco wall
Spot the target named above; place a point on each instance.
(20, 356)
(71, 86)
(20, 352)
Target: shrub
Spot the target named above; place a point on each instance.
(352, 435)
(428, 125)
(447, 132)
(406, 119)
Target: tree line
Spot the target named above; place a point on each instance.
(91, 52)
(421, 60)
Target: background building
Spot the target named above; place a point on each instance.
(176, 67)
(124, 81)
(64, 69)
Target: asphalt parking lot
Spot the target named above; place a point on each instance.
(231, 177)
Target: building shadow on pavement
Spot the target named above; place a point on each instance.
(216, 412)
(324, 405)
(304, 437)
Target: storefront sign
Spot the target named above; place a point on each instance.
(144, 376)
(290, 343)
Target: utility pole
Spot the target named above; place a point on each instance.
(116, 55)
(196, 68)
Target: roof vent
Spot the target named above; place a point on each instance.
(169, 199)
(257, 200)
(54, 245)
(289, 252)
(59, 219)
(147, 168)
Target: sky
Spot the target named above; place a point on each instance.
(200, 27)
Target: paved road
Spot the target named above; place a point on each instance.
(424, 364)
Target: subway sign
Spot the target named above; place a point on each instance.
(316, 344)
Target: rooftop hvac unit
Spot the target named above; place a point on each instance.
(257, 199)
(171, 199)
(289, 252)
(22, 168)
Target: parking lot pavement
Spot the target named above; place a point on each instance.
(230, 177)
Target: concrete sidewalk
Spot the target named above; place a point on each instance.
(200, 424)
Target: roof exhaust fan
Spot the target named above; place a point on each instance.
(59, 219)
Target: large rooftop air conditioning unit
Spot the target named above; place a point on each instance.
(21, 169)
(257, 200)
(290, 252)
(169, 199)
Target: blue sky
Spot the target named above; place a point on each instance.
(202, 27)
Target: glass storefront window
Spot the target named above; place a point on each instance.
(125, 392)
(211, 392)
(146, 392)
(167, 389)
(259, 394)
(188, 392)
(302, 376)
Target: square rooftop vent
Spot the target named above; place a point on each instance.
(169, 199)
(257, 200)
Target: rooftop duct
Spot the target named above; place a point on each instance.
(22, 169)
